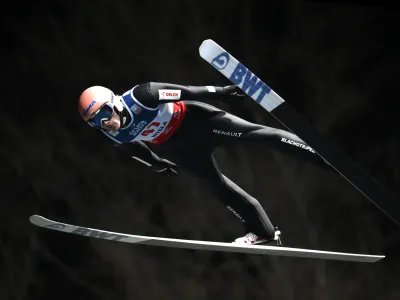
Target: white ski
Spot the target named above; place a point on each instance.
(200, 245)
(260, 92)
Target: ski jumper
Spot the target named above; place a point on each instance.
(172, 117)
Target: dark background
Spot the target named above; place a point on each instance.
(335, 62)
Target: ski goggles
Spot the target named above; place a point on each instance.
(104, 113)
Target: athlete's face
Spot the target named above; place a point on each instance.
(113, 124)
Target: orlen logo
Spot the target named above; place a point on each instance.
(164, 94)
(86, 111)
(220, 61)
(169, 94)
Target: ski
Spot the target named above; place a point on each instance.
(201, 245)
(255, 88)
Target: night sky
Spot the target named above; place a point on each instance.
(336, 63)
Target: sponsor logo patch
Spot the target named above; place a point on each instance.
(228, 133)
(236, 214)
(297, 144)
(169, 94)
(138, 128)
(136, 109)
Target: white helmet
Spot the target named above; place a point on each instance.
(98, 104)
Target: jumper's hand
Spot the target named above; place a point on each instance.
(167, 167)
(232, 92)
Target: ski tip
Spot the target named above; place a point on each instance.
(205, 47)
(205, 42)
(34, 219)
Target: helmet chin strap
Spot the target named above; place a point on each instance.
(119, 108)
(122, 118)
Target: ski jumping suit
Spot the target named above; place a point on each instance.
(163, 115)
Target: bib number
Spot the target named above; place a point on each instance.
(148, 130)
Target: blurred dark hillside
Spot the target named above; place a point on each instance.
(336, 63)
